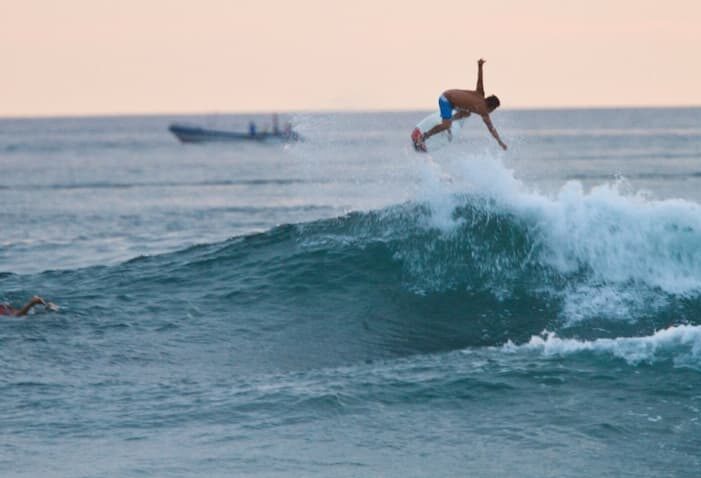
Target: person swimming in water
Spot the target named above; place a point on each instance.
(7, 309)
(464, 102)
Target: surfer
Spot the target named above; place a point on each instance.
(465, 102)
(7, 309)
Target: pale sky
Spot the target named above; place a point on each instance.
(78, 57)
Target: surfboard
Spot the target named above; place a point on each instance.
(437, 141)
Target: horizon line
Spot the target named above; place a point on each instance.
(21, 116)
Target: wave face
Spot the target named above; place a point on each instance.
(446, 272)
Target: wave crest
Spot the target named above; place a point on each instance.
(680, 344)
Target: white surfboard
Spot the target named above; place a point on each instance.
(439, 140)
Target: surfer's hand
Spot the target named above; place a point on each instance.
(503, 145)
(481, 62)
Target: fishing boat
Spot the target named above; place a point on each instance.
(196, 134)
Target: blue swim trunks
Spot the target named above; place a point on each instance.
(446, 107)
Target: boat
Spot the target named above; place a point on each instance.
(196, 134)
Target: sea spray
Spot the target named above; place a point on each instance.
(606, 241)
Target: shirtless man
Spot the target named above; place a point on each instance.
(6, 309)
(465, 102)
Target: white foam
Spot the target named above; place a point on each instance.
(437, 189)
(622, 241)
(681, 344)
(625, 238)
(614, 301)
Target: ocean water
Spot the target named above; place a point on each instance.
(346, 307)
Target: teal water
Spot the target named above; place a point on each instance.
(345, 307)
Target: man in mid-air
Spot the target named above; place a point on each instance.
(465, 102)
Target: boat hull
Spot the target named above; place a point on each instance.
(195, 134)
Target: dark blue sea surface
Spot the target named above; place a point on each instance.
(346, 307)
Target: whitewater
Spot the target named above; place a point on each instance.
(346, 307)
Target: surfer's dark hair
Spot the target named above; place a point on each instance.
(492, 102)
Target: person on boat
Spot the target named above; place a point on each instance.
(7, 309)
(252, 128)
(276, 125)
(465, 102)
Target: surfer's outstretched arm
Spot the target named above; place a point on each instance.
(493, 130)
(480, 82)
